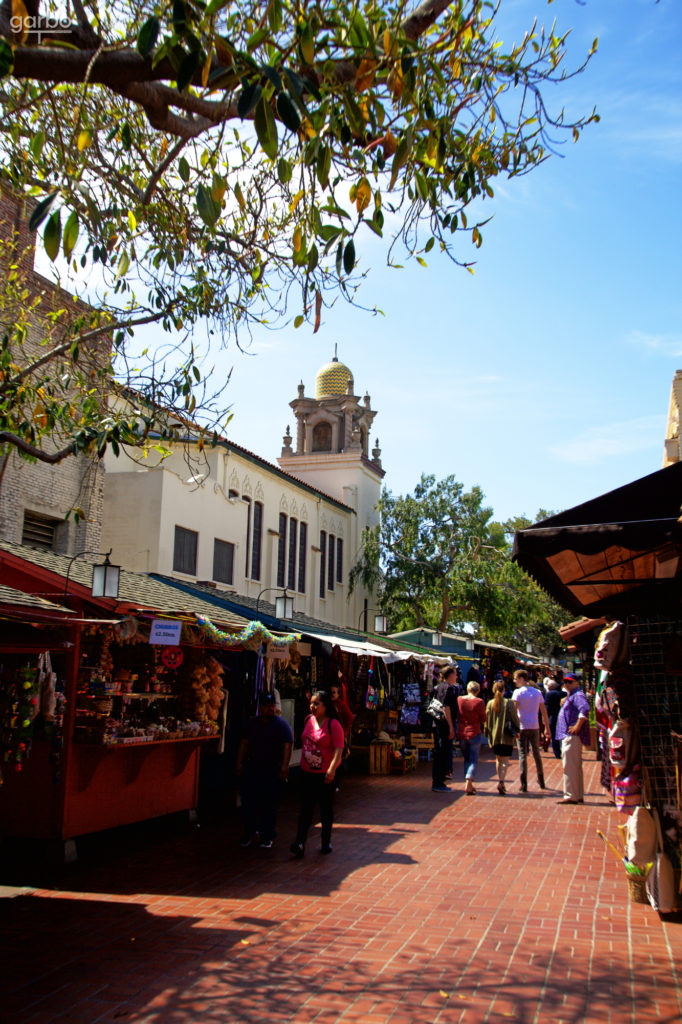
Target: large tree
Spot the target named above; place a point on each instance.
(192, 161)
(438, 559)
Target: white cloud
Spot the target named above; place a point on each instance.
(612, 440)
(667, 344)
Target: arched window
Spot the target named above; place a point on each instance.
(322, 437)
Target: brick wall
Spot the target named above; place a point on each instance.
(78, 481)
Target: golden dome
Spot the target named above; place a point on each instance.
(332, 379)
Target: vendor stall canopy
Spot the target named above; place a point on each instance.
(618, 554)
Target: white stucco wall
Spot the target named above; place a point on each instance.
(143, 506)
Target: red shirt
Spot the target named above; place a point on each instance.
(471, 717)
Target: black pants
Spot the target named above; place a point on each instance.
(439, 764)
(260, 798)
(314, 790)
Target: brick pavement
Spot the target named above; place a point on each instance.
(432, 908)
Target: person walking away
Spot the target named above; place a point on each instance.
(499, 713)
(529, 703)
(447, 691)
(573, 731)
(469, 731)
(553, 698)
(262, 767)
(443, 733)
(321, 752)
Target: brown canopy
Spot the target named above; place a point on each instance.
(617, 554)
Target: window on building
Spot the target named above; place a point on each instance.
(257, 539)
(323, 561)
(339, 559)
(302, 555)
(322, 437)
(185, 551)
(223, 561)
(282, 550)
(291, 574)
(40, 531)
(330, 562)
(247, 500)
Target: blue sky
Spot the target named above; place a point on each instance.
(544, 378)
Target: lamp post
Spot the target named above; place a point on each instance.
(380, 621)
(105, 576)
(284, 603)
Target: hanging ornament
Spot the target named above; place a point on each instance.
(253, 635)
(172, 657)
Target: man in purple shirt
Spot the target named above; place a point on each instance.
(573, 732)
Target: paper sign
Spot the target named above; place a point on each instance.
(165, 632)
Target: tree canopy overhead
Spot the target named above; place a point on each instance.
(195, 160)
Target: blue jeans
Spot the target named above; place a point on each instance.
(471, 749)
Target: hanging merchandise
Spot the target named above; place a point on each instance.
(20, 705)
(372, 695)
(611, 650)
(252, 636)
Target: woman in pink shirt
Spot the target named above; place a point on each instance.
(470, 731)
(321, 752)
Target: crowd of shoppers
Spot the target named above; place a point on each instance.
(523, 714)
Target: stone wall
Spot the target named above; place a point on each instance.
(47, 490)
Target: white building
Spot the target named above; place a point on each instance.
(249, 527)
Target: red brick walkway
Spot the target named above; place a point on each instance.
(432, 908)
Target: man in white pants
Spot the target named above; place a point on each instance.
(573, 731)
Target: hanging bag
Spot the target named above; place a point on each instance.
(660, 882)
(509, 730)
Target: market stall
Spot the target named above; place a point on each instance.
(123, 693)
(620, 557)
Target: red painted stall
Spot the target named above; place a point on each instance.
(105, 704)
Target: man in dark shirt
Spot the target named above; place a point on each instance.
(443, 730)
(262, 766)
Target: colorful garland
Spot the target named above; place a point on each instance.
(253, 635)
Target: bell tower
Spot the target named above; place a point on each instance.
(331, 449)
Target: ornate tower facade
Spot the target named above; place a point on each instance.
(332, 453)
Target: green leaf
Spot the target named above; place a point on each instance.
(215, 6)
(52, 235)
(399, 160)
(349, 257)
(37, 143)
(123, 265)
(284, 171)
(266, 127)
(41, 211)
(209, 210)
(257, 38)
(188, 68)
(6, 58)
(183, 169)
(147, 36)
(287, 112)
(308, 43)
(324, 163)
(70, 234)
(298, 321)
(126, 136)
(248, 98)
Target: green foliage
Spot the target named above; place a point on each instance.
(439, 560)
(198, 161)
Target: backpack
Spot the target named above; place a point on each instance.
(435, 709)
